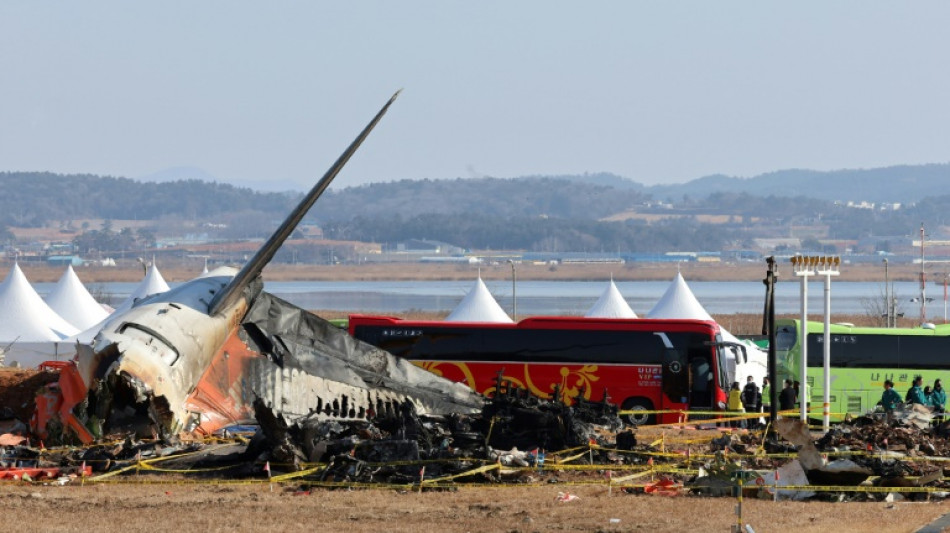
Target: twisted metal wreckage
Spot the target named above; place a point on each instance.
(218, 351)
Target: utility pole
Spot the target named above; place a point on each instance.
(887, 298)
(923, 279)
(768, 328)
(514, 294)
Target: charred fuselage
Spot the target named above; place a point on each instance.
(194, 359)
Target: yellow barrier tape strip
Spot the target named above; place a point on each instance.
(572, 458)
(479, 470)
(294, 475)
(147, 466)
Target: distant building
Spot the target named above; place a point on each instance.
(415, 246)
(64, 260)
(451, 259)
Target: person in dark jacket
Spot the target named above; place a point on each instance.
(751, 400)
(939, 399)
(787, 398)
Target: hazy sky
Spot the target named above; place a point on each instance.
(658, 92)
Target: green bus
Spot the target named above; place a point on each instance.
(861, 359)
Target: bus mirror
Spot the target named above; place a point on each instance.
(745, 354)
(741, 354)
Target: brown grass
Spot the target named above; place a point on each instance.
(116, 508)
(753, 272)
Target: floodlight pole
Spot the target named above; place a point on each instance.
(514, 294)
(887, 298)
(827, 267)
(803, 267)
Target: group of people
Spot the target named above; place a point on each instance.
(935, 398)
(749, 399)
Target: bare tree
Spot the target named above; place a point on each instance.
(876, 308)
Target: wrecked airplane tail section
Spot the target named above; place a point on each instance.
(195, 358)
(304, 367)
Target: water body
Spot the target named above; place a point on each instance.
(568, 297)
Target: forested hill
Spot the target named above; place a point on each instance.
(489, 197)
(32, 198)
(900, 184)
(589, 212)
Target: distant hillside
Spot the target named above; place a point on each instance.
(903, 184)
(32, 198)
(592, 212)
(491, 197)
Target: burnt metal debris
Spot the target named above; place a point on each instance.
(866, 458)
(512, 427)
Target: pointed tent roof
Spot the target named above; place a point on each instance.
(152, 283)
(70, 299)
(679, 302)
(478, 306)
(24, 316)
(611, 305)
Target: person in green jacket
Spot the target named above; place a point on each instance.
(916, 394)
(890, 399)
(766, 394)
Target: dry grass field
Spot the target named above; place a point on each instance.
(115, 508)
(752, 272)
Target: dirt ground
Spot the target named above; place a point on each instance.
(18, 389)
(175, 503)
(211, 508)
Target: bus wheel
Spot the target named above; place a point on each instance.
(638, 404)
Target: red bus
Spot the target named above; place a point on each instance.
(640, 364)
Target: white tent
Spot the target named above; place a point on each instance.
(152, 283)
(611, 305)
(30, 332)
(478, 306)
(679, 302)
(70, 299)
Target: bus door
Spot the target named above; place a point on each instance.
(701, 382)
(675, 372)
